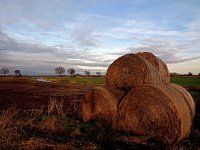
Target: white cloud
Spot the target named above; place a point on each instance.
(84, 36)
(168, 51)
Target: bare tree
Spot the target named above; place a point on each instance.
(60, 70)
(190, 74)
(174, 74)
(17, 73)
(71, 71)
(87, 73)
(98, 73)
(4, 71)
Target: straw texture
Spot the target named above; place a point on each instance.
(99, 104)
(158, 111)
(158, 64)
(187, 97)
(128, 71)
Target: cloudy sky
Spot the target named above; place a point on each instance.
(38, 35)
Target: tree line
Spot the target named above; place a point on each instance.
(179, 74)
(6, 71)
(71, 71)
(58, 70)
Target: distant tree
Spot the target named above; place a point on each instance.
(174, 74)
(71, 71)
(4, 71)
(60, 70)
(198, 74)
(17, 73)
(190, 74)
(98, 73)
(87, 73)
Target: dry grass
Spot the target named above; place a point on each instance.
(55, 107)
(74, 107)
(8, 128)
(33, 130)
(15, 126)
(21, 129)
(35, 143)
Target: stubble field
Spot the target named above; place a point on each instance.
(47, 115)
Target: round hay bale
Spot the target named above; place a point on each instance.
(188, 98)
(156, 111)
(128, 71)
(99, 104)
(157, 63)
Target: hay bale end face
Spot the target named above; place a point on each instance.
(158, 64)
(155, 111)
(99, 104)
(128, 71)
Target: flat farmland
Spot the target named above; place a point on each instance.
(192, 81)
(77, 80)
(28, 126)
(26, 92)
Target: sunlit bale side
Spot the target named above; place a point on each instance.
(158, 64)
(158, 111)
(99, 104)
(128, 71)
(188, 98)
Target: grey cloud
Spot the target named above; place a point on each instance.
(36, 58)
(94, 64)
(84, 35)
(7, 44)
(168, 51)
(5, 41)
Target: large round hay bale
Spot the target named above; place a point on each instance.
(128, 71)
(99, 104)
(188, 98)
(157, 111)
(157, 63)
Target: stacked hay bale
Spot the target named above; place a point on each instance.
(140, 99)
(158, 111)
(128, 71)
(99, 104)
(158, 64)
(188, 98)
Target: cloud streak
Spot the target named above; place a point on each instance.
(28, 55)
(169, 52)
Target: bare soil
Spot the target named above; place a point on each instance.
(24, 93)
